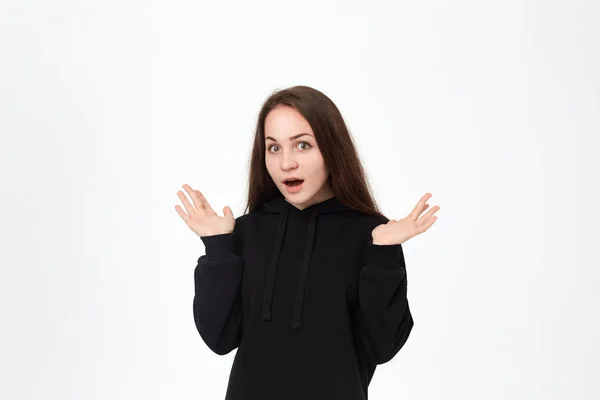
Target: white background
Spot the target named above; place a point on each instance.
(107, 108)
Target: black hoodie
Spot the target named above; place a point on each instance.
(309, 301)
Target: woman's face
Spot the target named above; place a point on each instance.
(287, 154)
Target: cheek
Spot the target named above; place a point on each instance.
(318, 166)
(269, 164)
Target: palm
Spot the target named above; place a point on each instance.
(209, 221)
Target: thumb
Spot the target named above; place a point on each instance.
(227, 211)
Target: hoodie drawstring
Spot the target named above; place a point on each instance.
(297, 322)
(266, 311)
(302, 275)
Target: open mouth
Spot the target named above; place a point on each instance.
(294, 182)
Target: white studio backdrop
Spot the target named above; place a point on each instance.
(107, 108)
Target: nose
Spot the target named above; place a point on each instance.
(288, 161)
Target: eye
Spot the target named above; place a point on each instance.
(306, 143)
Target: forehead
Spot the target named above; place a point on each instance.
(284, 121)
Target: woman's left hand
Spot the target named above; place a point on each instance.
(399, 231)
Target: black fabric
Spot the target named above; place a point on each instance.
(310, 303)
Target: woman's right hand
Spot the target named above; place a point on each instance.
(200, 217)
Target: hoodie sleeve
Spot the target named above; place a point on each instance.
(217, 298)
(383, 319)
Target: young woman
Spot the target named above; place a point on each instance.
(310, 284)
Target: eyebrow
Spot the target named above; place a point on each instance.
(292, 138)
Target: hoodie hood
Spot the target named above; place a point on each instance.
(279, 205)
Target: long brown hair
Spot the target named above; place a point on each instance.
(346, 173)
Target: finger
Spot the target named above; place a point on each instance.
(427, 225)
(183, 215)
(188, 207)
(419, 207)
(425, 218)
(425, 207)
(192, 193)
(205, 204)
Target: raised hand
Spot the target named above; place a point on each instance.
(200, 217)
(399, 231)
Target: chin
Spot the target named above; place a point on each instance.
(297, 198)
